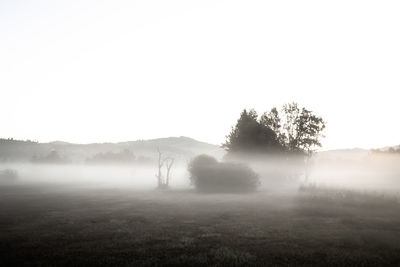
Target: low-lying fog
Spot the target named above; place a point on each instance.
(373, 173)
(377, 173)
(78, 214)
(135, 177)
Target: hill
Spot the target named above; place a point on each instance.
(182, 148)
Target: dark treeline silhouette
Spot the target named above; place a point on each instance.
(12, 140)
(123, 157)
(390, 150)
(53, 157)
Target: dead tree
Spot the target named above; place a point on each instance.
(163, 182)
(160, 165)
(168, 163)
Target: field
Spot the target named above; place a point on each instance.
(47, 224)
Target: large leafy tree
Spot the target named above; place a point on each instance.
(295, 130)
(299, 130)
(272, 121)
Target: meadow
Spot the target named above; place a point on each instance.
(51, 223)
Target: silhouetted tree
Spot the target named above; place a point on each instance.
(294, 131)
(298, 129)
(302, 129)
(272, 121)
(249, 135)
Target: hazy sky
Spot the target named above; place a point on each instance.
(94, 71)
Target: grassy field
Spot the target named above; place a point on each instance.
(45, 225)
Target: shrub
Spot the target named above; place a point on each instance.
(209, 175)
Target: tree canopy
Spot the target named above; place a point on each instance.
(292, 130)
(249, 135)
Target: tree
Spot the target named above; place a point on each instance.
(249, 135)
(297, 129)
(168, 164)
(272, 121)
(302, 130)
(293, 131)
(163, 181)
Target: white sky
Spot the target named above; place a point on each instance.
(94, 71)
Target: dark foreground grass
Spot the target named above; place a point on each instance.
(44, 226)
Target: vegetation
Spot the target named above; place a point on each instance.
(390, 150)
(183, 147)
(163, 180)
(294, 130)
(209, 175)
(124, 156)
(16, 141)
(293, 133)
(52, 157)
(42, 227)
(249, 135)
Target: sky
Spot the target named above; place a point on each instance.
(110, 71)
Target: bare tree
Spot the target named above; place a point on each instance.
(163, 182)
(169, 162)
(160, 165)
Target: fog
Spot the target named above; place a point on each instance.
(122, 176)
(77, 214)
(370, 173)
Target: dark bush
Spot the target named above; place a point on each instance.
(209, 175)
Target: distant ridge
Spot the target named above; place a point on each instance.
(60, 143)
(182, 148)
